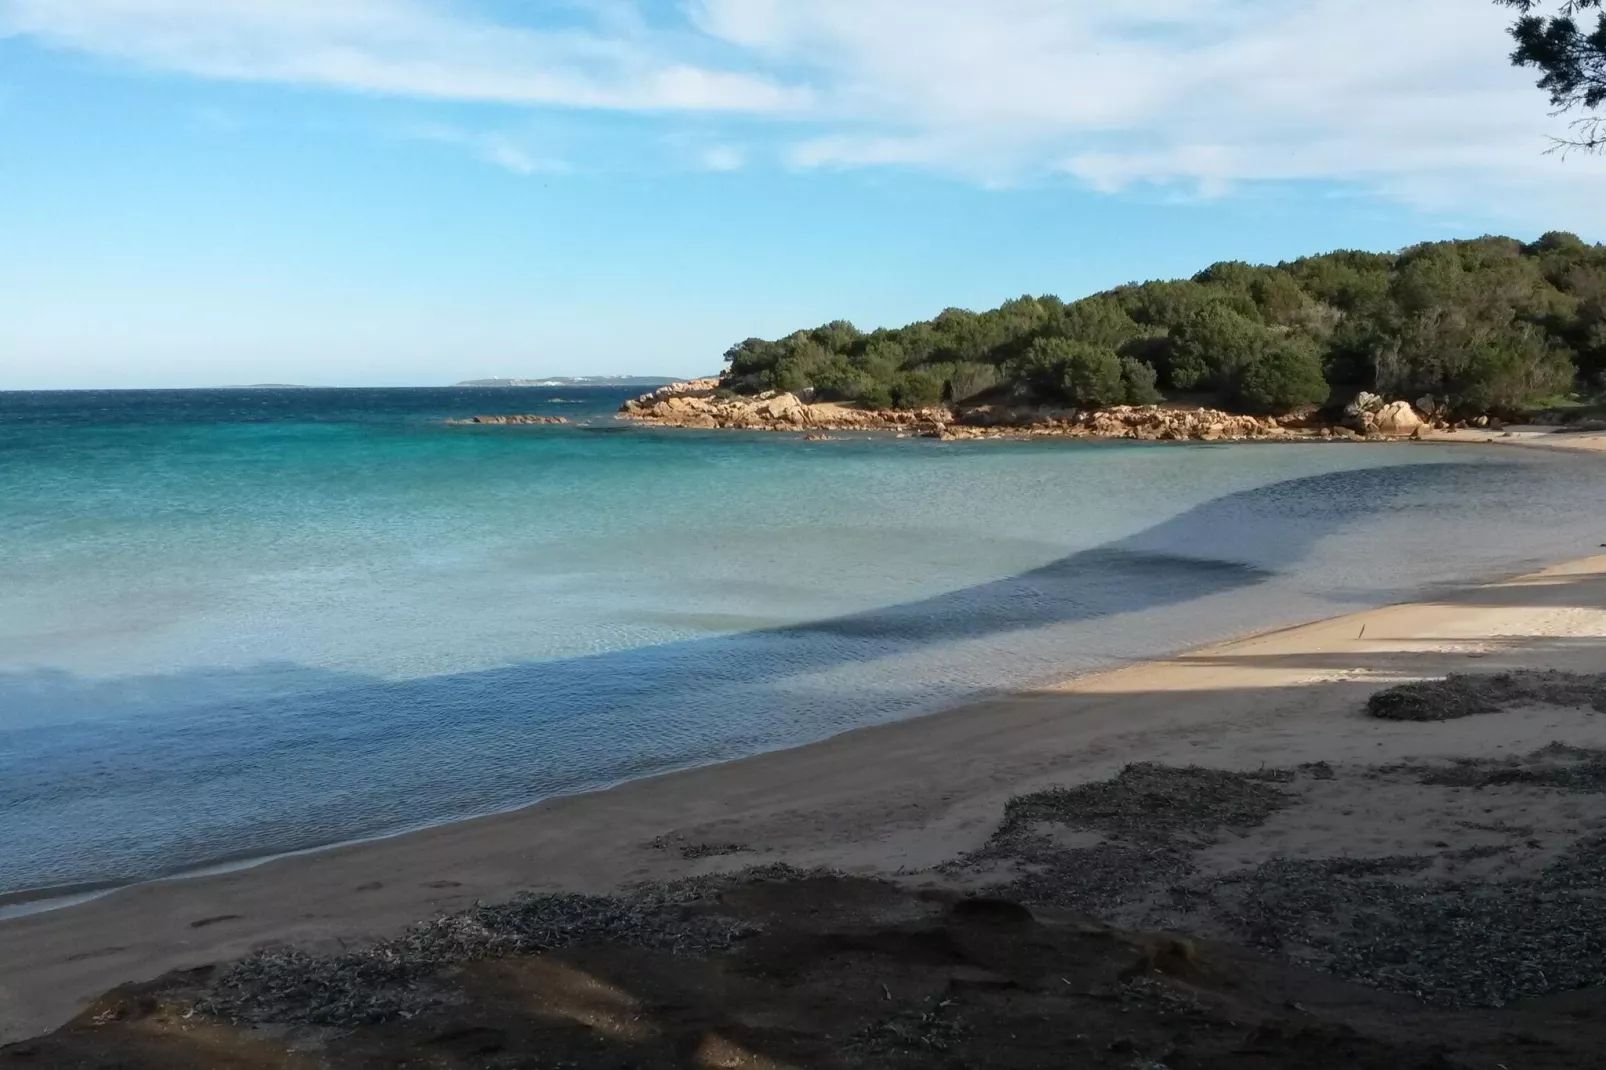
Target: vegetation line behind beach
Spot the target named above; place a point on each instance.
(1488, 325)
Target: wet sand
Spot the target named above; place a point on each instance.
(904, 796)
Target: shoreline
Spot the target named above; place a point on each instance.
(897, 797)
(1538, 438)
(27, 902)
(704, 404)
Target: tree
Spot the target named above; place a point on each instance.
(1571, 58)
(1485, 324)
(839, 380)
(1230, 275)
(1346, 279)
(1510, 370)
(1212, 346)
(1477, 365)
(917, 389)
(1098, 321)
(1138, 379)
(839, 336)
(1162, 305)
(968, 380)
(1287, 376)
(801, 358)
(1076, 373)
(751, 358)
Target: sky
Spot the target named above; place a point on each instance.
(415, 192)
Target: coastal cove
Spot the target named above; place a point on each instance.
(757, 535)
(546, 610)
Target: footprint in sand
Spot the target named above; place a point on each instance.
(102, 953)
(204, 922)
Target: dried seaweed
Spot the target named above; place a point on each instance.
(396, 978)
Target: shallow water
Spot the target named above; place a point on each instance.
(234, 623)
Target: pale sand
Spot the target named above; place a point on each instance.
(1542, 437)
(909, 795)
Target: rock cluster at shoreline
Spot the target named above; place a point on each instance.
(1145, 422)
(701, 403)
(528, 418)
(1370, 414)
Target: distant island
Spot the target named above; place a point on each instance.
(578, 380)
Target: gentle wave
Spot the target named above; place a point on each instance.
(240, 626)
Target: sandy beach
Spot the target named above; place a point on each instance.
(901, 797)
(1549, 438)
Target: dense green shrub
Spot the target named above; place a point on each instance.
(1287, 376)
(1212, 347)
(970, 380)
(1489, 324)
(917, 389)
(1071, 373)
(1138, 380)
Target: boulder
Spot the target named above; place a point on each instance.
(785, 408)
(515, 419)
(1364, 402)
(1398, 418)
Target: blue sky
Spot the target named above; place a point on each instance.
(199, 192)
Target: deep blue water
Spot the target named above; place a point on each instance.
(234, 623)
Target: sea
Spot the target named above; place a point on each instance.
(240, 623)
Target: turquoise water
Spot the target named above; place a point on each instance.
(236, 623)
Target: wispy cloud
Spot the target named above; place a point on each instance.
(511, 157)
(1414, 101)
(416, 48)
(504, 150)
(1411, 101)
(722, 158)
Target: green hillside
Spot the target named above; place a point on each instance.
(1484, 325)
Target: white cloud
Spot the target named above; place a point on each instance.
(506, 151)
(723, 158)
(1413, 101)
(430, 49)
(511, 157)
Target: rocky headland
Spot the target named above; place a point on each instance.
(706, 403)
